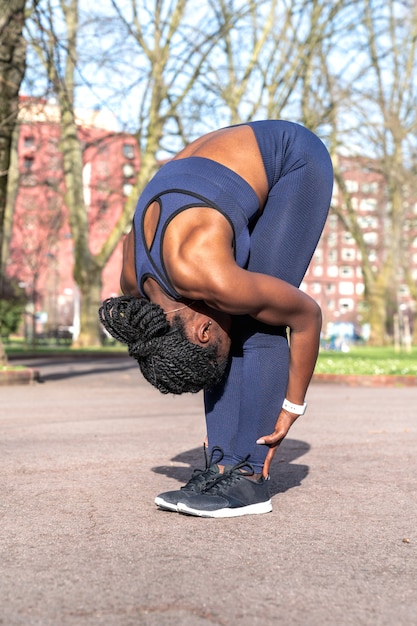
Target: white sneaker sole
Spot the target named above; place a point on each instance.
(251, 509)
(167, 506)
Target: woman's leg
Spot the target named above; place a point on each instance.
(246, 404)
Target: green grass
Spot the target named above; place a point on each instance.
(16, 348)
(359, 360)
(368, 361)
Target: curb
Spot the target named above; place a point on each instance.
(28, 376)
(25, 376)
(376, 380)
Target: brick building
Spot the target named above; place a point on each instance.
(41, 248)
(334, 278)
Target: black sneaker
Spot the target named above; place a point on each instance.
(230, 494)
(169, 500)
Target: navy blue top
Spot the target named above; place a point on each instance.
(198, 181)
(186, 183)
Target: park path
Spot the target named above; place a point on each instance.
(83, 454)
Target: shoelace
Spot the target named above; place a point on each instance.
(229, 476)
(198, 474)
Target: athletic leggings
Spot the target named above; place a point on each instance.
(246, 404)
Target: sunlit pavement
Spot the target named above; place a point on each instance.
(83, 454)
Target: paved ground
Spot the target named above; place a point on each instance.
(83, 454)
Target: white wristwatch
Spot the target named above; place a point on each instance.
(297, 409)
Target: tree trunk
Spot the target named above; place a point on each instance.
(89, 282)
(12, 69)
(12, 191)
(377, 315)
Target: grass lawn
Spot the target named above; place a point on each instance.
(359, 360)
(368, 361)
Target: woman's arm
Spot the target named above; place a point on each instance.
(128, 283)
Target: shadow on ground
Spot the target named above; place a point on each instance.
(285, 474)
(72, 373)
(53, 369)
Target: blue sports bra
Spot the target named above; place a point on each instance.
(198, 181)
(186, 183)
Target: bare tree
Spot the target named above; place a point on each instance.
(231, 88)
(160, 56)
(343, 69)
(383, 102)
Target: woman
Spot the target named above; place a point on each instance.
(222, 237)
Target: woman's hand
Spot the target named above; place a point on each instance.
(284, 422)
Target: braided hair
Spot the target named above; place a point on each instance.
(166, 357)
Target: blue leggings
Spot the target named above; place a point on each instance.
(246, 404)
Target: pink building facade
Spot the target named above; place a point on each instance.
(334, 278)
(41, 248)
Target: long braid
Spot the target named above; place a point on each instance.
(166, 357)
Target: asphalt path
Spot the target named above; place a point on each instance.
(83, 454)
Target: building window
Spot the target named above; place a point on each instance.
(29, 141)
(28, 163)
(128, 151)
(347, 238)
(128, 170)
(127, 189)
(368, 204)
(346, 289)
(370, 187)
(330, 288)
(332, 239)
(345, 304)
(371, 238)
(360, 288)
(333, 222)
(102, 207)
(333, 271)
(318, 270)
(346, 271)
(332, 256)
(352, 186)
(348, 254)
(318, 255)
(367, 221)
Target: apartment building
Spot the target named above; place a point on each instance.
(334, 278)
(40, 254)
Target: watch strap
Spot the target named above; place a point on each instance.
(297, 409)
